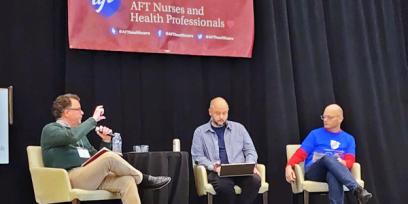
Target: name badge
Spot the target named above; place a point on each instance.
(83, 153)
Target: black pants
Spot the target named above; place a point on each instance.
(224, 187)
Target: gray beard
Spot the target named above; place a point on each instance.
(216, 125)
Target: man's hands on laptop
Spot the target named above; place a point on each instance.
(217, 167)
(256, 171)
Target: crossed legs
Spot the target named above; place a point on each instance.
(336, 175)
(109, 172)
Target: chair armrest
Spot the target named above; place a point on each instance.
(262, 173)
(200, 178)
(51, 184)
(356, 171)
(297, 186)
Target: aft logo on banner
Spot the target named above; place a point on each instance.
(105, 7)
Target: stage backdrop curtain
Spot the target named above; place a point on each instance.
(307, 54)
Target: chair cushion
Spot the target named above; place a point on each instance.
(264, 188)
(209, 188)
(93, 195)
(313, 186)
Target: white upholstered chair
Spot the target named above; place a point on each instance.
(205, 188)
(305, 186)
(52, 185)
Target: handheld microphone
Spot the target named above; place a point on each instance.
(100, 130)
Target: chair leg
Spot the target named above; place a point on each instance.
(209, 198)
(305, 197)
(76, 201)
(265, 197)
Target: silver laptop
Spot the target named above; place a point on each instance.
(237, 169)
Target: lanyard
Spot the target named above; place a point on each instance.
(80, 143)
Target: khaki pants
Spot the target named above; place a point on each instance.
(109, 172)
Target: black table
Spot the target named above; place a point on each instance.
(167, 163)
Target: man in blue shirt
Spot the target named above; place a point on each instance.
(329, 153)
(220, 141)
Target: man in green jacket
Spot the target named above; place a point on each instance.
(65, 145)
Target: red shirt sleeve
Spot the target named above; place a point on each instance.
(299, 156)
(350, 159)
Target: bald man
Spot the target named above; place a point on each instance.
(329, 153)
(221, 141)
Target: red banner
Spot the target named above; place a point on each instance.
(193, 27)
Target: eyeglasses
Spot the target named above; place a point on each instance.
(328, 117)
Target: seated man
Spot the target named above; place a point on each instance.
(65, 145)
(329, 154)
(221, 142)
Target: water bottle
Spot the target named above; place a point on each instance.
(117, 143)
(176, 145)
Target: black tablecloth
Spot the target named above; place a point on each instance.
(173, 164)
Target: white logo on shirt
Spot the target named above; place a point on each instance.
(334, 144)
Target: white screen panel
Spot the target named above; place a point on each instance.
(4, 127)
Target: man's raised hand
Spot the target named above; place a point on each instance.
(98, 113)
